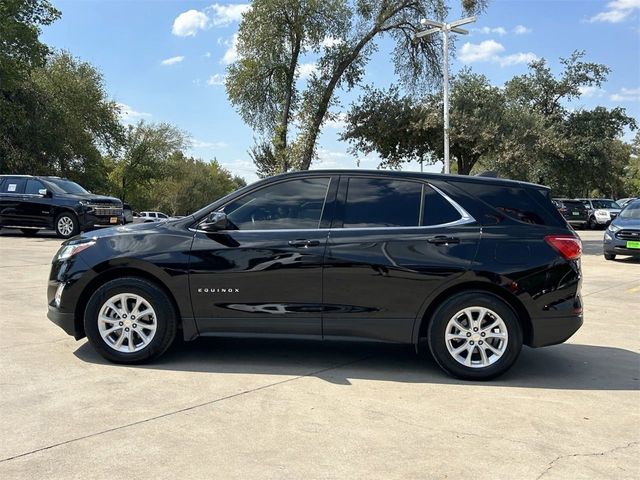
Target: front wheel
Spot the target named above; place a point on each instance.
(130, 320)
(66, 225)
(609, 256)
(475, 336)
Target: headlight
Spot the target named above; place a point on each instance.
(69, 251)
(613, 228)
(602, 213)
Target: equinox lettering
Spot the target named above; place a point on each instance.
(218, 290)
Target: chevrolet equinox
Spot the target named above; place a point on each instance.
(473, 267)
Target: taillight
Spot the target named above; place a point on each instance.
(568, 246)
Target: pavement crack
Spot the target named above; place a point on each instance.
(551, 464)
(185, 409)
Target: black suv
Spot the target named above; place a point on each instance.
(573, 211)
(473, 267)
(35, 203)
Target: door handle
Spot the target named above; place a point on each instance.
(443, 240)
(300, 243)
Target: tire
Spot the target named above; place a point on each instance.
(499, 314)
(66, 225)
(29, 232)
(592, 224)
(133, 349)
(609, 256)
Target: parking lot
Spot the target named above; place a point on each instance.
(291, 409)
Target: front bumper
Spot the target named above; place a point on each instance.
(66, 321)
(90, 220)
(616, 246)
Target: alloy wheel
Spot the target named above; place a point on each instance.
(476, 337)
(127, 322)
(65, 226)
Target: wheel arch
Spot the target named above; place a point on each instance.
(522, 315)
(122, 271)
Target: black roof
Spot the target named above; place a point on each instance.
(414, 175)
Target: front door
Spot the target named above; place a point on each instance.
(35, 209)
(264, 274)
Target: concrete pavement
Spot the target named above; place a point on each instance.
(223, 408)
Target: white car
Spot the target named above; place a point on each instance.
(601, 211)
(146, 217)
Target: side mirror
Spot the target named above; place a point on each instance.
(45, 193)
(215, 222)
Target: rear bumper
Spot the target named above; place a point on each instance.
(554, 330)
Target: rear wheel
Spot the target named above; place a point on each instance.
(475, 336)
(130, 320)
(592, 224)
(609, 256)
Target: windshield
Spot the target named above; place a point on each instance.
(66, 186)
(632, 211)
(604, 204)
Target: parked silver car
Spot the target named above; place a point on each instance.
(601, 211)
(146, 217)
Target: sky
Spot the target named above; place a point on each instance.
(165, 61)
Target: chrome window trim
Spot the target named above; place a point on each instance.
(465, 218)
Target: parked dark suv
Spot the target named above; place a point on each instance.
(35, 203)
(573, 211)
(473, 267)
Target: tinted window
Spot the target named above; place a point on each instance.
(574, 204)
(520, 203)
(604, 204)
(67, 186)
(33, 186)
(379, 202)
(162, 215)
(13, 185)
(437, 209)
(294, 204)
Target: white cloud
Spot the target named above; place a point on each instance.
(490, 30)
(207, 55)
(129, 115)
(516, 59)
(591, 92)
(216, 79)
(205, 144)
(188, 23)
(489, 51)
(626, 95)
(616, 12)
(172, 60)
(231, 54)
(521, 30)
(305, 70)
(222, 15)
(478, 52)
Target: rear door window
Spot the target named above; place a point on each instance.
(13, 185)
(381, 202)
(437, 209)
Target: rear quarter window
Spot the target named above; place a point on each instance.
(525, 204)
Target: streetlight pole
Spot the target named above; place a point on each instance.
(445, 28)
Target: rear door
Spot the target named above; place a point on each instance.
(393, 242)
(264, 274)
(11, 198)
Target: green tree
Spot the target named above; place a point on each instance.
(144, 159)
(20, 49)
(190, 184)
(61, 122)
(343, 35)
(401, 129)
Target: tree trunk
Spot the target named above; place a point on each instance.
(321, 110)
(280, 149)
